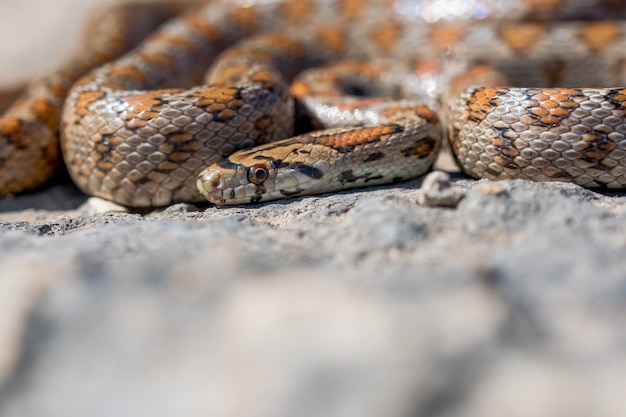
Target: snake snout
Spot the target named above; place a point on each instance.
(211, 184)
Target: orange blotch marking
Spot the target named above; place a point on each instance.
(198, 23)
(426, 113)
(95, 156)
(501, 160)
(105, 166)
(353, 138)
(127, 73)
(352, 9)
(386, 35)
(567, 91)
(205, 101)
(158, 59)
(227, 114)
(183, 44)
(332, 37)
(286, 44)
(215, 108)
(302, 89)
(549, 104)
(230, 74)
(620, 97)
(57, 90)
(235, 103)
(423, 148)
(510, 152)
(484, 96)
(45, 111)
(523, 36)
(480, 102)
(445, 36)
(142, 103)
(264, 77)
(590, 137)
(549, 120)
(181, 138)
(135, 123)
(167, 148)
(595, 155)
(84, 100)
(427, 67)
(480, 75)
(115, 141)
(225, 98)
(560, 97)
(559, 112)
(11, 129)
(101, 148)
(148, 115)
(599, 35)
(245, 18)
(298, 11)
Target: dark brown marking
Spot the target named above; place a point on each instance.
(422, 148)
(226, 163)
(374, 157)
(308, 170)
(347, 176)
(554, 72)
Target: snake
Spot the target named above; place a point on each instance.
(175, 101)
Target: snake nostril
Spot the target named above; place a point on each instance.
(209, 180)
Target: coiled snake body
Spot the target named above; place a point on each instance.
(130, 134)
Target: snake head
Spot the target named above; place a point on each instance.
(230, 183)
(268, 172)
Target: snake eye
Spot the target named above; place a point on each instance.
(257, 174)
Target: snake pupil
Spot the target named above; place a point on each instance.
(257, 174)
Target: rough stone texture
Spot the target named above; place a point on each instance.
(357, 304)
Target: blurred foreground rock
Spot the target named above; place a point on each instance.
(359, 304)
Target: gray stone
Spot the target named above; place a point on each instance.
(360, 303)
(437, 191)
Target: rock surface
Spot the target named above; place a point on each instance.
(361, 304)
(357, 304)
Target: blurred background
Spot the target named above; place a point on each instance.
(36, 35)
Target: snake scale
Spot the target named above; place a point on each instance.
(141, 124)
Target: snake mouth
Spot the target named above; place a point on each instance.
(211, 185)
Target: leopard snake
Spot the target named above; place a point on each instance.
(521, 89)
